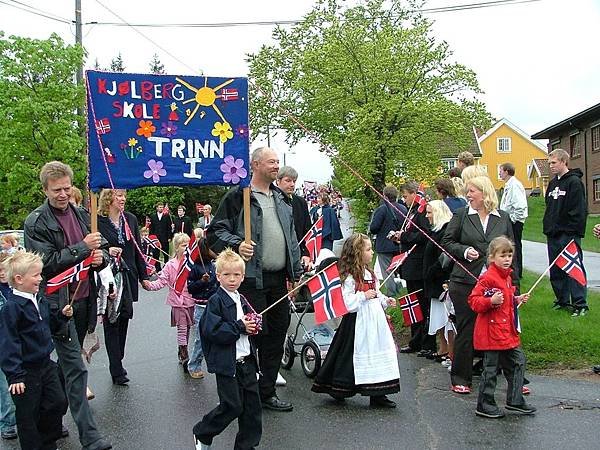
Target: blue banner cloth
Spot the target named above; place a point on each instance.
(166, 130)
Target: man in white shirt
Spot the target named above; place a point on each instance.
(514, 202)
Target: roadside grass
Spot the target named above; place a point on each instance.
(532, 231)
(552, 340)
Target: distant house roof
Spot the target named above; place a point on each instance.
(515, 128)
(573, 121)
(449, 149)
(541, 166)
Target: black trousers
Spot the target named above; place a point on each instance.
(518, 234)
(115, 336)
(270, 341)
(238, 399)
(462, 364)
(81, 318)
(566, 289)
(512, 363)
(40, 408)
(419, 332)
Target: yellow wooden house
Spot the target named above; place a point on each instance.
(505, 142)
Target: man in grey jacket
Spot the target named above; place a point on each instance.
(272, 260)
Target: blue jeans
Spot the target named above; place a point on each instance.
(197, 355)
(7, 408)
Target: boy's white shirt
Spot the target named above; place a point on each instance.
(30, 296)
(242, 345)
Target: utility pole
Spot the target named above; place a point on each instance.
(78, 38)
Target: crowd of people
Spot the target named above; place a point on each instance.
(462, 262)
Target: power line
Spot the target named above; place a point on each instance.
(32, 10)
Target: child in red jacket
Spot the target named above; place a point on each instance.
(496, 332)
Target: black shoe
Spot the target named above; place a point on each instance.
(276, 404)
(9, 435)
(407, 349)
(523, 409)
(381, 401)
(338, 398)
(558, 306)
(120, 380)
(424, 353)
(490, 415)
(596, 369)
(64, 432)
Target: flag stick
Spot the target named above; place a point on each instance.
(414, 292)
(307, 233)
(297, 287)
(75, 293)
(94, 211)
(392, 272)
(406, 216)
(547, 270)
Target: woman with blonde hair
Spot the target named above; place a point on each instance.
(120, 229)
(471, 172)
(467, 238)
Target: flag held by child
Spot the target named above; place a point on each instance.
(326, 291)
(77, 272)
(192, 252)
(411, 310)
(570, 261)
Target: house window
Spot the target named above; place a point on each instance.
(596, 138)
(574, 149)
(555, 144)
(503, 145)
(596, 188)
(448, 164)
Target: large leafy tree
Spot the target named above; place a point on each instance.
(374, 85)
(38, 119)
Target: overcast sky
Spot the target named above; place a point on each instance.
(537, 62)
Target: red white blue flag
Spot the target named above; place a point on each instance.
(153, 241)
(420, 200)
(398, 260)
(411, 309)
(326, 291)
(77, 272)
(192, 252)
(314, 239)
(229, 94)
(570, 261)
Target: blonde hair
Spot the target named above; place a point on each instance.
(106, 198)
(20, 263)
(144, 230)
(178, 238)
(459, 186)
(11, 238)
(490, 198)
(500, 244)
(471, 172)
(54, 170)
(3, 258)
(560, 154)
(199, 232)
(76, 195)
(466, 158)
(228, 258)
(440, 213)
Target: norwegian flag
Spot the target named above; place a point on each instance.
(314, 239)
(411, 309)
(102, 126)
(166, 209)
(152, 241)
(77, 272)
(570, 262)
(228, 95)
(192, 252)
(326, 291)
(420, 199)
(399, 259)
(149, 260)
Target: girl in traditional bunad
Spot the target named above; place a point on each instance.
(182, 305)
(362, 357)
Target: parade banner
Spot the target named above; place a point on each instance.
(166, 130)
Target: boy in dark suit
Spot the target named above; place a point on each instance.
(26, 342)
(231, 355)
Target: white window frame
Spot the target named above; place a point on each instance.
(595, 182)
(448, 163)
(501, 148)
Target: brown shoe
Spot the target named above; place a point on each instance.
(197, 375)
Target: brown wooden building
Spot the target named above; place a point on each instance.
(580, 136)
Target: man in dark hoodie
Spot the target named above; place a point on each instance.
(564, 220)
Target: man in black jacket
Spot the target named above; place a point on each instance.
(56, 231)
(564, 220)
(161, 226)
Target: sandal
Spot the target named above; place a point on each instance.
(439, 357)
(460, 389)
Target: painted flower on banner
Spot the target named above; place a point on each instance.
(132, 142)
(223, 131)
(146, 128)
(242, 131)
(156, 170)
(233, 170)
(168, 129)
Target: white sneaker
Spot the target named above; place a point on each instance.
(280, 380)
(201, 446)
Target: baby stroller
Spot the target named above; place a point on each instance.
(312, 345)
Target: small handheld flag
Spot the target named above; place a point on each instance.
(326, 291)
(398, 260)
(153, 241)
(75, 273)
(314, 239)
(192, 252)
(420, 198)
(570, 261)
(411, 309)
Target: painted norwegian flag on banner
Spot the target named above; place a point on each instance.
(153, 241)
(326, 291)
(229, 94)
(570, 262)
(399, 259)
(192, 252)
(411, 310)
(77, 272)
(420, 199)
(103, 126)
(314, 239)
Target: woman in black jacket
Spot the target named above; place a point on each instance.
(120, 229)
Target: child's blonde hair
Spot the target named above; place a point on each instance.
(144, 230)
(228, 258)
(10, 238)
(499, 245)
(3, 258)
(199, 232)
(20, 263)
(178, 238)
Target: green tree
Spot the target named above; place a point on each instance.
(38, 103)
(374, 85)
(156, 66)
(117, 64)
(96, 65)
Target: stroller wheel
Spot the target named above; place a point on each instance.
(310, 358)
(287, 360)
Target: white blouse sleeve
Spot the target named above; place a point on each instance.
(352, 299)
(383, 299)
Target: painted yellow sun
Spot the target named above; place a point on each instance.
(204, 97)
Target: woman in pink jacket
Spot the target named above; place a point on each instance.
(182, 305)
